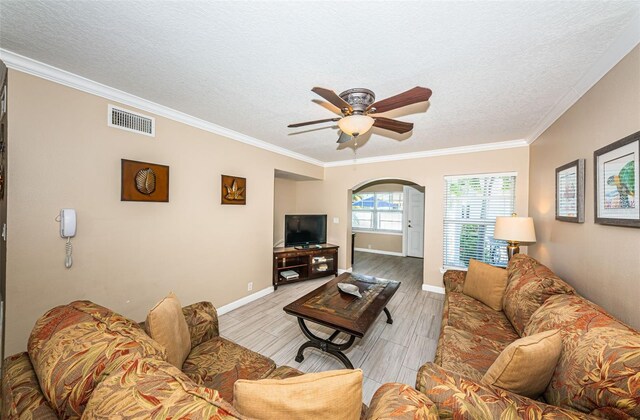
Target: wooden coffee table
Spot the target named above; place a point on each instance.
(342, 312)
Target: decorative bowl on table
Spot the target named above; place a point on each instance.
(351, 289)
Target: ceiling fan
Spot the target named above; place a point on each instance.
(358, 108)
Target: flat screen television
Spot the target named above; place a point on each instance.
(305, 229)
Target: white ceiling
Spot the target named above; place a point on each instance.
(499, 71)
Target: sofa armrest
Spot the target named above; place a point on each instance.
(458, 396)
(21, 394)
(400, 401)
(454, 280)
(202, 320)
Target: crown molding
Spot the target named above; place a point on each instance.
(628, 39)
(27, 65)
(432, 153)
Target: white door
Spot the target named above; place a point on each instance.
(415, 222)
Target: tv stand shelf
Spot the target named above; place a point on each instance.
(309, 263)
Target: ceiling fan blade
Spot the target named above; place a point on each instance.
(313, 122)
(412, 96)
(331, 97)
(400, 127)
(344, 137)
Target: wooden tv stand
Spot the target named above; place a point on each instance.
(310, 263)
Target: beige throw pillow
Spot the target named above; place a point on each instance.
(526, 365)
(334, 394)
(166, 324)
(486, 283)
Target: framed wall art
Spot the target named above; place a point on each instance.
(143, 181)
(233, 190)
(570, 192)
(3, 101)
(616, 182)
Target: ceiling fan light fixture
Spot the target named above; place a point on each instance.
(355, 125)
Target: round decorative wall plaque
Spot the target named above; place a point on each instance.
(146, 181)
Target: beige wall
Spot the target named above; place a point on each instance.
(379, 241)
(383, 187)
(602, 262)
(127, 255)
(333, 194)
(284, 202)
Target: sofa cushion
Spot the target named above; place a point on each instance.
(454, 280)
(468, 314)
(486, 283)
(395, 400)
(21, 395)
(530, 285)
(456, 397)
(202, 319)
(166, 324)
(218, 363)
(154, 389)
(526, 365)
(76, 346)
(333, 394)
(284, 372)
(467, 353)
(599, 368)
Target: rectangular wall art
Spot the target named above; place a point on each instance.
(233, 190)
(616, 182)
(570, 192)
(142, 181)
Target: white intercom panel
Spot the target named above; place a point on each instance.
(67, 223)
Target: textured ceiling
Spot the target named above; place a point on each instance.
(495, 68)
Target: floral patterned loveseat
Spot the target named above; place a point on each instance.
(598, 374)
(84, 360)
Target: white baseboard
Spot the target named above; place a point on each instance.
(243, 301)
(348, 270)
(375, 251)
(434, 289)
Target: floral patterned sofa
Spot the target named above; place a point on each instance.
(598, 374)
(86, 361)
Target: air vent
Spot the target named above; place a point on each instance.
(131, 121)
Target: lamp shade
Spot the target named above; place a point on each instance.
(515, 229)
(354, 125)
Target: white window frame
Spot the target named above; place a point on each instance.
(375, 214)
(452, 221)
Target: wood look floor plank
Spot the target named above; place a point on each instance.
(225, 322)
(387, 353)
(407, 376)
(369, 387)
(421, 350)
(384, 361)
(429, 320)
(400, 332)
(257, 341)
(368, 342)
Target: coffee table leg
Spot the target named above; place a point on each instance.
(300, 355)
(389, 319)
(325, 345)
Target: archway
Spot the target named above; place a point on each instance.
(386, 218)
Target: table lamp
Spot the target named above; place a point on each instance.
(514, 230)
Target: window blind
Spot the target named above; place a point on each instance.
(472, 203)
